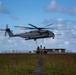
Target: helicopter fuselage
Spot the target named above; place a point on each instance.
(36, 34)
(39, 32)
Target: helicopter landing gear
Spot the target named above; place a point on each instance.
(53, 37)
(34, 39)
(47, 33)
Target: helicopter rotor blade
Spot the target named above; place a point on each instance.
(2, 29)
(33, 26)
(22, 27)
(39, 28)
(6, 26)
(5, 34)
(48, 25)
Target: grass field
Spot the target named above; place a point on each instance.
(25, 64)
(60, 64)
(17, 64)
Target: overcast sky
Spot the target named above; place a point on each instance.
(61, 13)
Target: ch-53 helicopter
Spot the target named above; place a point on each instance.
(36, 33)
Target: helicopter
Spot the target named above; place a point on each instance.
(35, 33)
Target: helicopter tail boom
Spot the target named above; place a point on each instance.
(10, 33)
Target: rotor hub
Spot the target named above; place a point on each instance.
(7, 29)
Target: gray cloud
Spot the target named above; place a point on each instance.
(66, 28)
(53, 6)
(3, 9)
(59, 23)
(14, 17)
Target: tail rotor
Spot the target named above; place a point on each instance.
(6, 30)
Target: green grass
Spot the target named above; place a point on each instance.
(60, 64)
(17, 64)
(25, 64)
